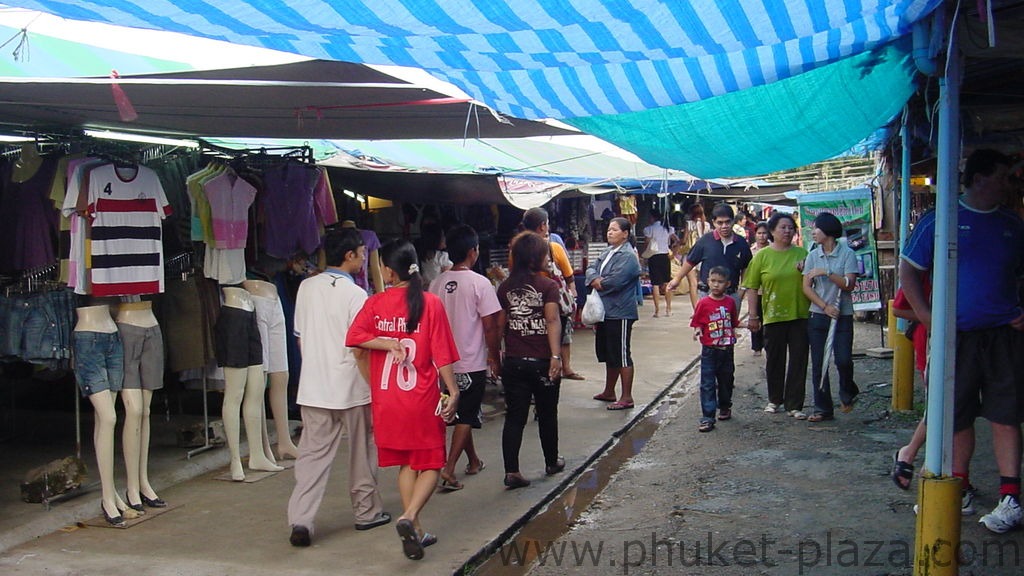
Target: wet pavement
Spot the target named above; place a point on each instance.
(220, 527)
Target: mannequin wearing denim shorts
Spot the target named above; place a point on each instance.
(99, 370)
(144, 368)
(243, 394)
(276, 374)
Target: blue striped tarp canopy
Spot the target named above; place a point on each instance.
(544, 58)
(713, 87)
(792, 122)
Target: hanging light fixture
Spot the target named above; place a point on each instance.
(141, 138)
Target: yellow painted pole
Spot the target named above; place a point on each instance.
(902, 366)
(938, 527)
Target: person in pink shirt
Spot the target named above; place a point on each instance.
(472, 307)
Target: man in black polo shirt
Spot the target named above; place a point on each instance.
(720, 247)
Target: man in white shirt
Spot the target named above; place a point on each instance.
(333, 394)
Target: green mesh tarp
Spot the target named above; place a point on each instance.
(792, 122)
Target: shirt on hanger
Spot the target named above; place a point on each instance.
(127, 249)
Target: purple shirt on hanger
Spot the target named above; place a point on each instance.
(290, 222)
(372, 243)
(29, 221)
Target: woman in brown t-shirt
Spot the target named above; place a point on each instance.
(531, 329)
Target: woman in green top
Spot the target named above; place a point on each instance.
(777, 271)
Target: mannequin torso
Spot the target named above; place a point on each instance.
(137, 314)
(238, 298)
(260, 288)
(95, 319)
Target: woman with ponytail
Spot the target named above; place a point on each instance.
(407, 333)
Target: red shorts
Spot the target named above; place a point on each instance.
(429, 459)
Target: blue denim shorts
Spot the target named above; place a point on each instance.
(13, 313)
(99, 362)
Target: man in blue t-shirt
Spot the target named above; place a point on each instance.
(720, 247)
(989, 321)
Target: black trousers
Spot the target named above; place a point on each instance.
(787, 384)
(524, 379)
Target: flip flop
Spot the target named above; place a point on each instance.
(451, 485)
(603, 398)
(619, 406)
(901, 470)
(573, 376)
(471, 472)
(412, 546)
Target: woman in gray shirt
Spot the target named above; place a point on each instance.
(830, 274)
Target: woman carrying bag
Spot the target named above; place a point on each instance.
(614, 276)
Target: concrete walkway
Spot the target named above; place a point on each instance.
(767, 494)
(226, 528)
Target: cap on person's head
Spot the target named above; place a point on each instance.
(829, 224)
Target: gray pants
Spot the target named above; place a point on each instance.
(321, 435)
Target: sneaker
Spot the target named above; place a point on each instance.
(1005, 517)
(797, 414)
(966, 501)
(725, 414)
(772, 408)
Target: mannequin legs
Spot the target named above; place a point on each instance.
(264, 434)
(105, 419)
(279, 407)
(135, 438)
(253, 410)
(243, 394)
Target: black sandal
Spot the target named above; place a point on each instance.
(901, 470)
(412, 545)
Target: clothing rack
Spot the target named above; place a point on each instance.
(32, 280)
(262, 156)
(173, 266)
(179, 264)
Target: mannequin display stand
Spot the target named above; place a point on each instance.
(270, 316)
(98, 352)
(244, 386)
(144, 369)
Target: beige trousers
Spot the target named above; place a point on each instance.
(321, 434)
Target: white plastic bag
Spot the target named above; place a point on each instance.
(593, 310)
